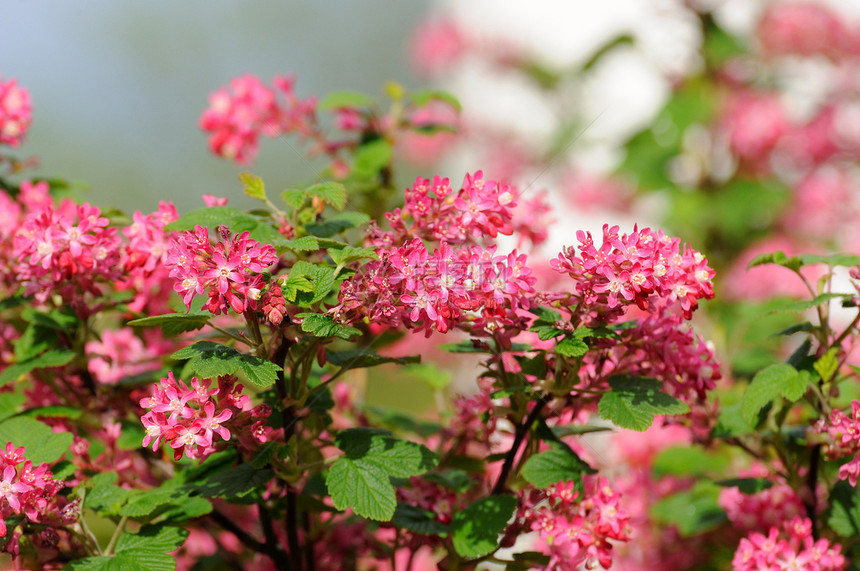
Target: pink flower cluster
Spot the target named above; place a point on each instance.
(120, 354)
(479, 209)
(842, 436)
(27, 490)
(577, 530)
(762, 510)
(15, 113)
(804, 29)
(66, 251)
(31, 198)
(662, 347)
(794, 550)
(645, 268)
(188, 418)
(229, 271)
(239, 113)
(432, 291)
(145, 258)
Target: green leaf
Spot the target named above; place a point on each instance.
(234, 483)
(552, 466)
(418, 520)
(213, 216)
(546, 332)
(457, 480)
(372, 157)
(303, 244)
(152, 539)
(748, 486)
(330, 192)
(805, 304)
(55, 411)
(52, 358)
(633, 402)
(350, 254)
(144, 551)
(106, 498)
(827, 364)
(360, 479)
(321, 325)
(778, 257)
(332, 225)
(253, 185)
(731, 422)
(845, 260)
(693, 511)
(320, 278)
(41, 444)
(687, 461)
(209, 360)
(425, 96)
(361, 358)
(571, 347)
(475, 530)
(174, 323)
(776, 380)
(143, 503)
(10, 403)
(843, 510)
(345, 99)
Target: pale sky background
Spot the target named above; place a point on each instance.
(118, 87)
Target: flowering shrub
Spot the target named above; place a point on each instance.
(183, 391)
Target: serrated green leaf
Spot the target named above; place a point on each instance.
(320, 278)
(41, 444)
(553, 466)
(190, 508)
(174, 323)
(106, 498)
(350, 254)
(128, 561)
(213, 216)
(253, 185)
(546, 332)
(361, 358)
(209, 360)
(36, 339)
(330, 192)
(295, 198)
(778, 257)
(418, 520)
(361, 478)
(776, 380)
(827, 364)
(571, 347)
(475, 530)
(345, 99)
(303, 244)
(143, 502)
(546, 315)
(52, 358)
(693, 511)
(633, 402)
(321, 325)
(234, 483)
(152, 539)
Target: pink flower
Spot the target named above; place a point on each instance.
(15, 113)
(804, 29)
(230, 270)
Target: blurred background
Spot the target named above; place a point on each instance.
(117, 88)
